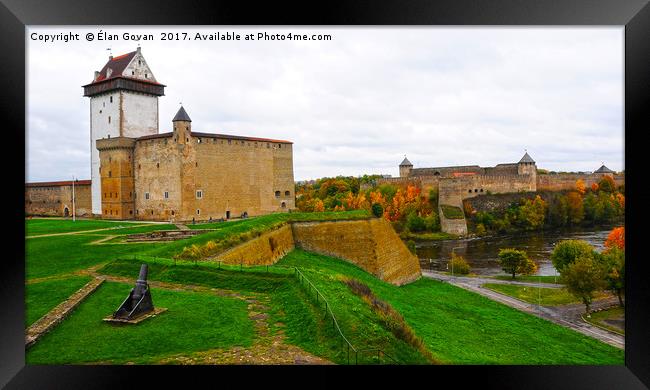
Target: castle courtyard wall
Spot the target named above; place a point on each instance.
(52, 200)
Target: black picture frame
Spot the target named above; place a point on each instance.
(634, 15)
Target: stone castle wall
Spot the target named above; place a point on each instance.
(264, 250)
(53, 200)
(567, 181)
(233, 176)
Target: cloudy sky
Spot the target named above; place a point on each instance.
(359, 102)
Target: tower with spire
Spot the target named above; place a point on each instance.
(405, 167)
(527, 166)
(123, 103)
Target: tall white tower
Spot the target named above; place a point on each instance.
(123, 103)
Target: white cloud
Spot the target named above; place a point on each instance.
(358, 103)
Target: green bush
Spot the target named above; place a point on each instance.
(567, 251)
(432, 222)
(415, 223)
(377, 210)
(458, 264)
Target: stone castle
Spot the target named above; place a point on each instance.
(181, 175)
(456, 183)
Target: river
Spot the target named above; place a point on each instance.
(482, 253)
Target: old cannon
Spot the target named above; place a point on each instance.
(139, 301)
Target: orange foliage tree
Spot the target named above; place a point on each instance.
(616, 238)
(580, 186)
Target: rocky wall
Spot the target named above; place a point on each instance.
(263, 250)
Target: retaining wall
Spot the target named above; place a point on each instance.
(265, 249)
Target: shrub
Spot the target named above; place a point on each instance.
(480, 230)
(415, 223)
(377, 210)
(458, 264)
(432, 222)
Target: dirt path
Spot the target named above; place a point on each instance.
(565, 315)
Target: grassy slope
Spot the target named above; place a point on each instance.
(194, 321)
(305, 324)
(459, 326)
(42, 297)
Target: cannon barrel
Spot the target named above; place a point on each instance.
(144, 270)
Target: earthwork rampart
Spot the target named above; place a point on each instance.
(371, 244)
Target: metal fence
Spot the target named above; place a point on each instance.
(348, 348)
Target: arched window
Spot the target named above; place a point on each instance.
(277, 194)
(284, 205)
(287, 193)
(436, 173)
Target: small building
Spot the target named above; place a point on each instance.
(55, 198)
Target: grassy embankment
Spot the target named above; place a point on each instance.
(543, 296)
(40, 226)
(452, 212)
(457, 326)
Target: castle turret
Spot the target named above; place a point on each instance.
(182, 126)
(527, 166)
(405, 167)
(604, 171)
(123, 103)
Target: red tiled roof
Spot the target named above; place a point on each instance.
(239, 137)
(117, 65)
(213, 135)
(458, 174)
(58, 183)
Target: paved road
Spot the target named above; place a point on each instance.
(565, 315)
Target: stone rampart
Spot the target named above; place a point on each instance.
(370, 244)
(263, 250)
(567, 181)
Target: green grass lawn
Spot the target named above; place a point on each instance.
(546, 296)
(42, 297)
(615, 313)
(530, 278)
(431, 236)
(458, 326)
(305, 324)
(35, 227)
(194, 321)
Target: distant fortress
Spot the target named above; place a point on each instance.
(456, 183)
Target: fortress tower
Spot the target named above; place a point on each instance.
(405, 167)
(123, 103)
(527, 166)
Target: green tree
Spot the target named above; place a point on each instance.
(558, 211)
(567, 251)
(614, 263)
(515, 261)
(583, 278)
(532, 212)
(377, 210)
(432, 222)
(415, 223)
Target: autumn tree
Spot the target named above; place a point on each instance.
(613, 260)
(532, 213)
(616, 238)
(515, 261)
(607, 184)
(576, 209)
(580, 186)
(582, 278)
(568, 251)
